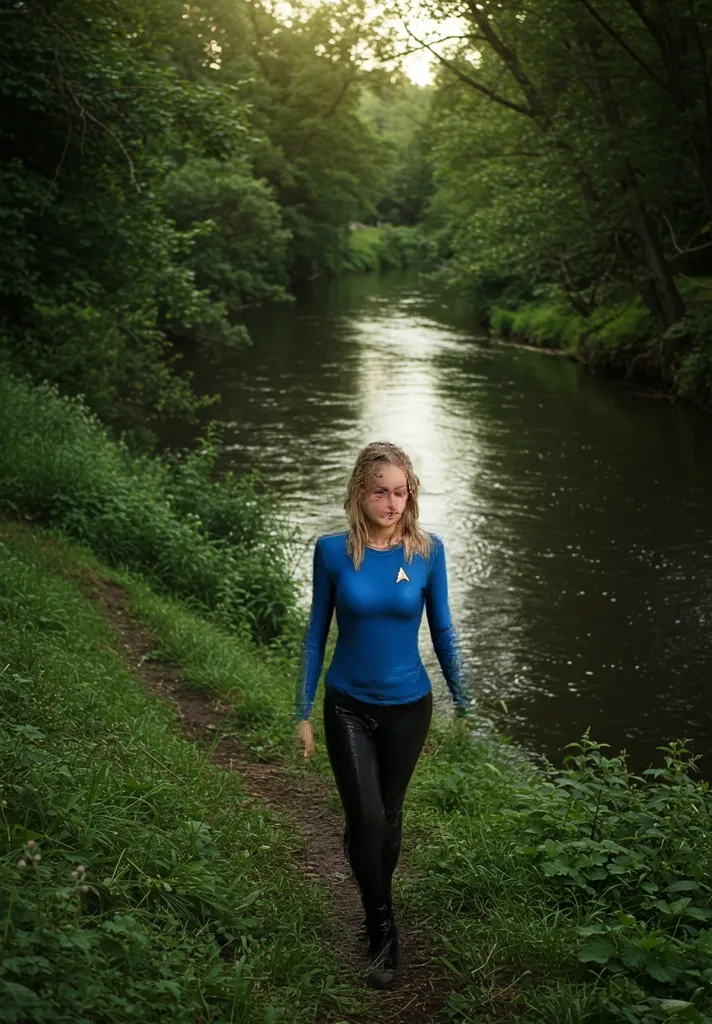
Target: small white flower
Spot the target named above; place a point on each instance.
(83, 888)
(81, 869)
(30, 844)
(22, 863)
(37, 858)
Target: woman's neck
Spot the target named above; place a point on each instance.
(385, 537)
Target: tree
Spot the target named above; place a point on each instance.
(169, 164)
(586, 109)
(92, 272)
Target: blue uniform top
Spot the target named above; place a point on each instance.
(378, 614)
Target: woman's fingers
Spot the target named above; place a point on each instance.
(306, 737)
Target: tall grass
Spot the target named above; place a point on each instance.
(217, 544)
(623, 337)
(137, 882)
(610, 333)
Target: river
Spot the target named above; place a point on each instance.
(576, 514)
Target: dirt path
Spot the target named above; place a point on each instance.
(423, 985)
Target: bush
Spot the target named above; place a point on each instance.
(389, 248)
(614, 335)
(591, 884)
(693, 338)
(220, 545)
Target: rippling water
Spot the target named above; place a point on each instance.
(577, 515)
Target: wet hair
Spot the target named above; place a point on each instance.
(414, 539)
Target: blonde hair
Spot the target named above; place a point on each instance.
(415, 540)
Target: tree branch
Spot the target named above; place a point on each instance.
(436, 42)
(489, 93)
(622, 43)
(508, 57)
(85, 115)
(700, 284)
(329, 112)
(689, 247)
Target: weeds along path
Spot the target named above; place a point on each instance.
(424, 985)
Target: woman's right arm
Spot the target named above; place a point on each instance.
(322, 610)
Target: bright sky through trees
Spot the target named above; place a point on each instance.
(417, 63)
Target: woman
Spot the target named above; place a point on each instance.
(378, 702)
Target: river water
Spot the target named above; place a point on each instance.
(576, 514)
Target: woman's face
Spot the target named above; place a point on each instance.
(385, 496)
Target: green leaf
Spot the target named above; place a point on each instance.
(597, 951)
(658, 970)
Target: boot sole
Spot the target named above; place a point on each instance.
(381, 979)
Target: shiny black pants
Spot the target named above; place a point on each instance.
(373, 751)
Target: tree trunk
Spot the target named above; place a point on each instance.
(674, 43)
(661, 296)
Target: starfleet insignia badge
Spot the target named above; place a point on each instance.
(402, 576)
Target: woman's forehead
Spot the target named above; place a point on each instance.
(393, 473)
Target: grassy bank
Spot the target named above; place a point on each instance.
(219, 546)
(622, 339)
(554, 897)
(137, 882)
(388, 248)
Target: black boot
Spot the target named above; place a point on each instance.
(382, 947)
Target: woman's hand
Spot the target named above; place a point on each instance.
(465, 710)
(305, 736)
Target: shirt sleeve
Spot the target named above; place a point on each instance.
(442, 630)
(314, 645)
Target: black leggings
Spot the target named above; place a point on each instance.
(373, 750)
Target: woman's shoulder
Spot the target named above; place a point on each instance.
(332, 542)
(436, 543)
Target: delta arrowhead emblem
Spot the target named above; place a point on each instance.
(402, 576)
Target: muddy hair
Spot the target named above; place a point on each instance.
(414, 539)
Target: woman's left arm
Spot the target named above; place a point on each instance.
(442, 630)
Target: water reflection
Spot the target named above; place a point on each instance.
(576, 515)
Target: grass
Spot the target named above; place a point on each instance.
(217, 544)
(616, 330)
(193, 908)
(622, 337)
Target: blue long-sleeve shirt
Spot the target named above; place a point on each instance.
(378, 614)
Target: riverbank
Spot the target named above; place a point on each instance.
(556, 896)
(376, 249)
(621, 340)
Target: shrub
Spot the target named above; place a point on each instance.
(218, 544)
(389, 248)
(693, 338)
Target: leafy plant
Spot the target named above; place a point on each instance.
(220, 544)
